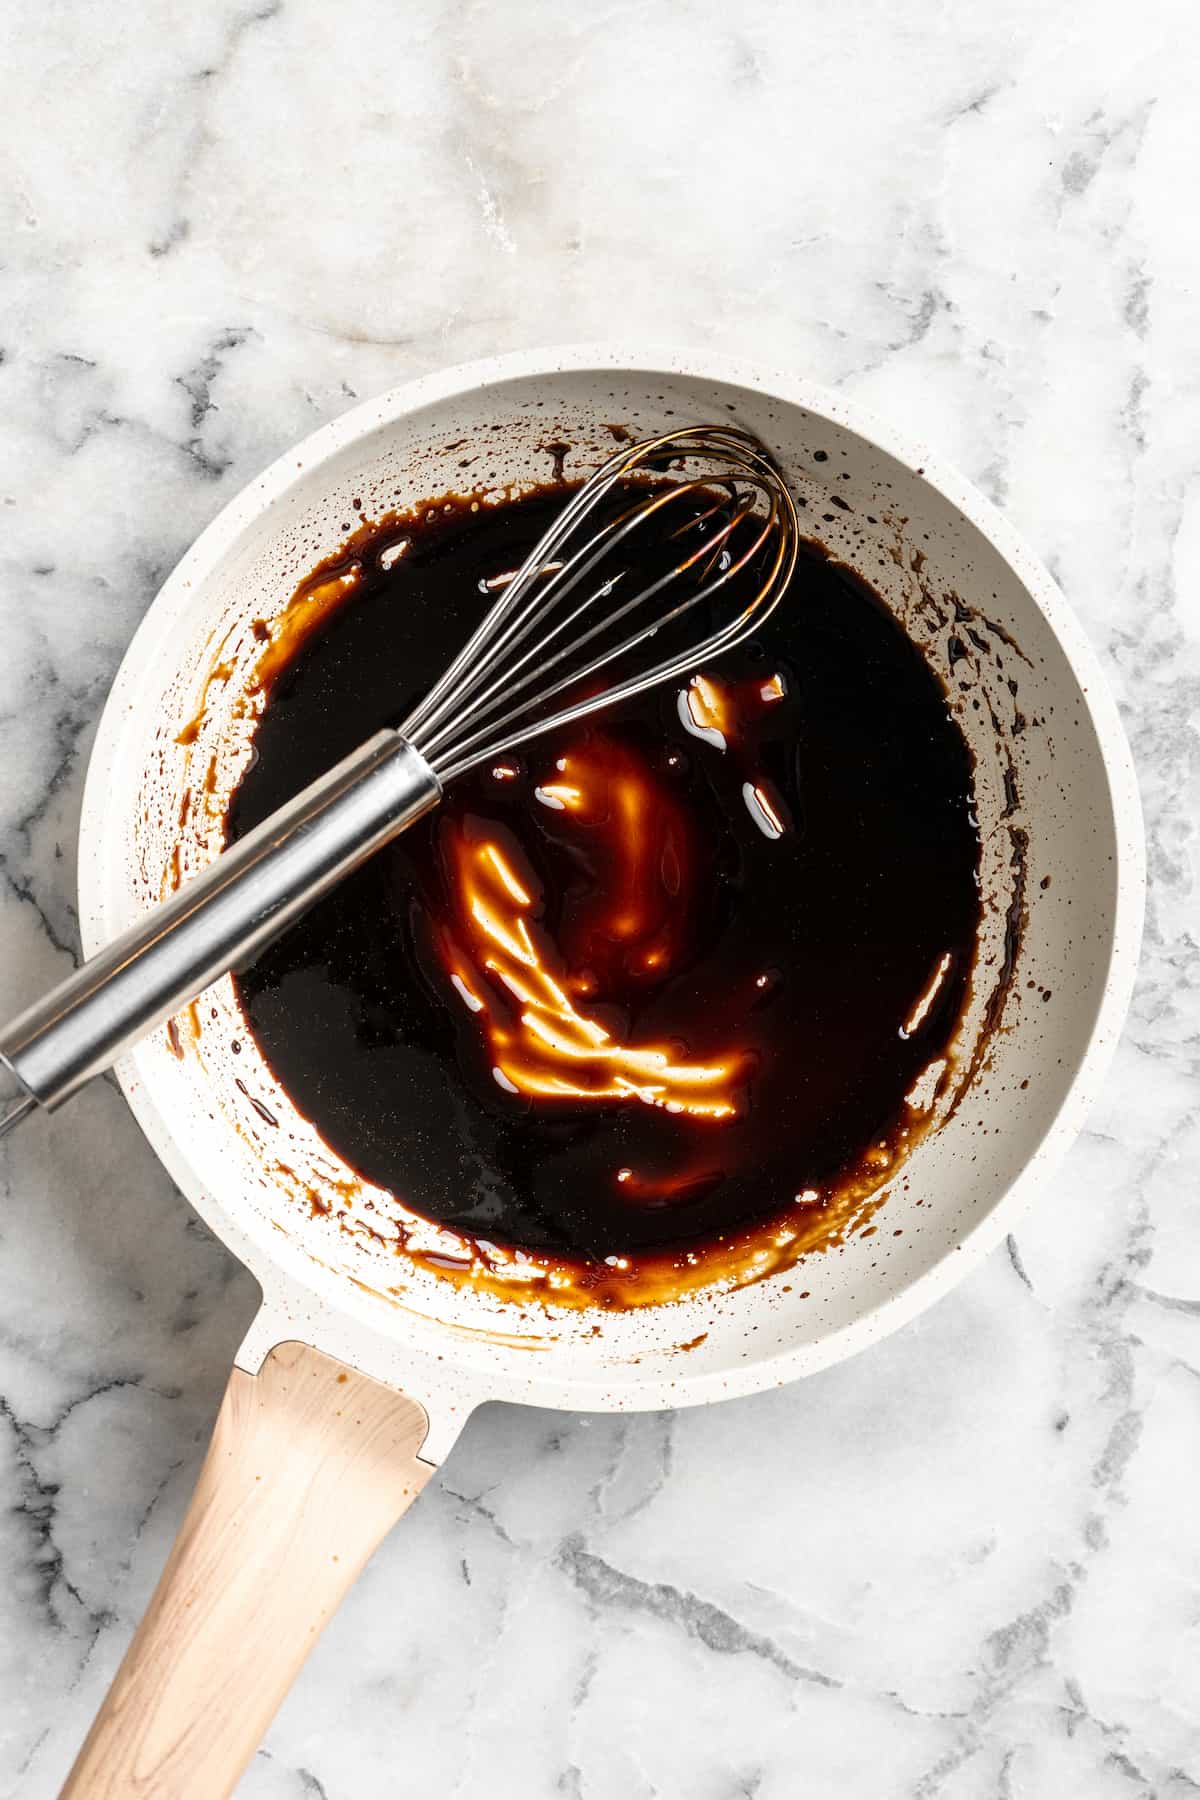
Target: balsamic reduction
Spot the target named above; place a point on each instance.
(655, 980)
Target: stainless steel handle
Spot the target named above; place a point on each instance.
(216, 921)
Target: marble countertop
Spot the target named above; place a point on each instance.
(966, 1564)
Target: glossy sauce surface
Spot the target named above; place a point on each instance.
(656, 981)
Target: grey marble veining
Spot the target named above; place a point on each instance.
(965, 1566)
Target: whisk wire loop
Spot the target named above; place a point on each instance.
(568, 577)
(499, 689)
(580, 673)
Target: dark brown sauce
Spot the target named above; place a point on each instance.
(766, 918)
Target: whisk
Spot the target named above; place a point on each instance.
(567, 617)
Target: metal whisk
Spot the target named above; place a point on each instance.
(569, 614)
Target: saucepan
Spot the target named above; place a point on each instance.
(363, 1364)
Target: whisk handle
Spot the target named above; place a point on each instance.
(217, 921)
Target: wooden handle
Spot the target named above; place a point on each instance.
(310, 1463)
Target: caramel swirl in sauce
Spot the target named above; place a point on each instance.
(530, 998)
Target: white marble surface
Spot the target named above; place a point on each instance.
(967, 1564)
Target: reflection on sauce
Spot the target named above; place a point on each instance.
(925, 1001)
(508, 972)
(639, 843)
(764, 808)
(714, 711)
(704, 710)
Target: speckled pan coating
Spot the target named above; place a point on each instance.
(923, 536)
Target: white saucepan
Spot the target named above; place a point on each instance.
(361, 1367)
